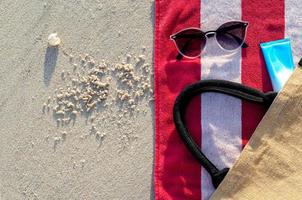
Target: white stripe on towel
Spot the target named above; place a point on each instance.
(220, 114)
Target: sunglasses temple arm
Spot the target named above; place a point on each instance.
(245, 45)
(179, 56)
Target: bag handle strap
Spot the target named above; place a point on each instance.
(220, 86)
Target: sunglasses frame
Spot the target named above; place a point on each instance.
(211, 33)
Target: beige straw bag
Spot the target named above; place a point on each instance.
(270, 166)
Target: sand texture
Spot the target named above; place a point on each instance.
(76, 119)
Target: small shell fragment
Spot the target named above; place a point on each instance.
(64, 135)
(56, 139)
(54, 40)
(74, 112)
(60, 112)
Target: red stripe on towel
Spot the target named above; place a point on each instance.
(176, 173)
(266, 23)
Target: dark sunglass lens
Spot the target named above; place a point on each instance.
(231, 35)
(190, 42)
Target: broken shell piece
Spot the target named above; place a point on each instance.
(91, 105)
(74, 112)
(53, 40)
(75, 66)
(44, 107)
(93, 128)
(92, 118)
(87, 57)
(60, 112)
(64, 135)
(141, 58)
(91, 63)
(128, 58)
(99, 136)
(109, 79)
(71, 57)
(103, 135)
(70, 105)
(60, 96)
(82, 162)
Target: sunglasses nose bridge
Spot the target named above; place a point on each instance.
(210, 34)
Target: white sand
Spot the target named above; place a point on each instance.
(40, 159)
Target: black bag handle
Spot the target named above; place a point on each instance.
(219, 86)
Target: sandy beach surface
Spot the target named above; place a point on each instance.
(77, 119)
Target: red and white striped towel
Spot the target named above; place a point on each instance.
(220, 124)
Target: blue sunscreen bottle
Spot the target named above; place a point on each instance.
(279, 61)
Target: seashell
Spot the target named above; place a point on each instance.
(92, 118)
(142, 58)
(91, 105)
(71, 57)
(64, 135)
(60, 96)
(60, 112)
(70, 105)
(53, 40)
(99, 135)
(55, 107)
(75, 66)
(74, 112)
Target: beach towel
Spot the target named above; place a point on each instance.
(270, 164)
(220, 124)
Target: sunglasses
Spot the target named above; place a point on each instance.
(191, 41)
